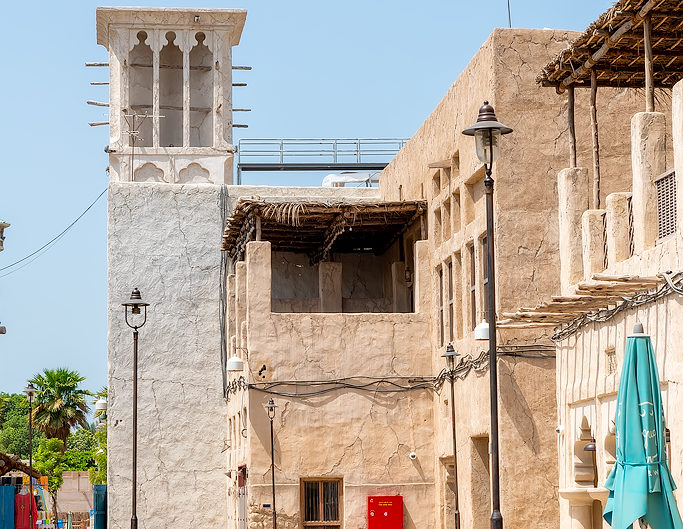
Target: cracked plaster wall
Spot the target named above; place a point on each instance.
(527, 246)
(362, 437)
(164, 239)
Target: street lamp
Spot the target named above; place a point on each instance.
(487, 132)
(450, 355)
(30, 391)
(135, 304)
(271, 415)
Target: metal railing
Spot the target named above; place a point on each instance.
(333, 150)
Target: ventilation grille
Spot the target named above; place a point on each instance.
(666, 204)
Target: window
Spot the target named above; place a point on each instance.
(473, 287)
(457, 279)
(484, 278)
(441, 306)
(321, 503)
(450, 301)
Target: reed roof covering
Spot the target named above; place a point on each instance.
(613, 46)
(317, 228)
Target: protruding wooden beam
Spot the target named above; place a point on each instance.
(649, 65)
(442, 164)
(570, 125)
(596, 144)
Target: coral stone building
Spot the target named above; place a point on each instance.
(336, 303)
(620, 248)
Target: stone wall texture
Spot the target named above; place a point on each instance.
(164, 239)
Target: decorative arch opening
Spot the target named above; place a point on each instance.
(171, 93)
(201, 93)
(140, 85)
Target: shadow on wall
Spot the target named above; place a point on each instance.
(514, 402)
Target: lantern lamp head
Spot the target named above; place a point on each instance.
(487, 131)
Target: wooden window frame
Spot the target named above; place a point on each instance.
(473, 285)
(451, 312)
(302, 495)
(484, 277)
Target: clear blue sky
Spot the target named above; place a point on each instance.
(332, 69)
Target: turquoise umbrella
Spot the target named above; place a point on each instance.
(640, 484)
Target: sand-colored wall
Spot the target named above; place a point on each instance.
(527, 253)
(364, 438)
(589, 362)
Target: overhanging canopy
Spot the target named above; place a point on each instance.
(318, 228)
(613, 47)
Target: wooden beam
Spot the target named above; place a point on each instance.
(627, 278)
(442, 164)
(570, 124)
(596, 144)
(649, 66)
(610, 41)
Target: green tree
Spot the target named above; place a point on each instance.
(14, 425)
(98, 474)
(82, 440)
(61, 403)
(50, 461)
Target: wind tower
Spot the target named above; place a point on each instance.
(170, 92)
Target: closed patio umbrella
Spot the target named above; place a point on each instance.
(640, 484)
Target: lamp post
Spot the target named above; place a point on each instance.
(135, 304)
(271, 415)
(30, 391)
(592, 448)
(487, 131)
(450, 355)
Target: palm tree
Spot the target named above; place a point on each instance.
(60, 403)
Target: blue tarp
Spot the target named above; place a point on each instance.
(6, 507)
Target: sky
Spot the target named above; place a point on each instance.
(373, 68)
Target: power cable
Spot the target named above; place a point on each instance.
(40, 251)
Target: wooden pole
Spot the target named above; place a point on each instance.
(596, 144)
(570, 123)
(649, 63)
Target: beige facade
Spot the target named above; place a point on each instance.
(640, 238)
(364, 441)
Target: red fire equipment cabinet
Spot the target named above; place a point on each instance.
(385, 512)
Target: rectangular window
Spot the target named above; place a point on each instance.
(457, 278)
(485, 278)
(473, 287)
(441, 318)
(450, 302)
(321, 503)
(446, 219)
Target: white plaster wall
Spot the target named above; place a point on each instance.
(164, 239)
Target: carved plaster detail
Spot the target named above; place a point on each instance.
(194, 174)
(149, 173)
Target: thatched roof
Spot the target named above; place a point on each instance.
(317, 228)
(9, 462)
(613, 46)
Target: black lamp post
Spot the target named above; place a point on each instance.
(135, 304)
(450, 355)
(30, 391)
(271, 415)
(487, 132)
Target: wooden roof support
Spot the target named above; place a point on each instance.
(627, 278)
(441, 164)
(609, 42)
(596, 144)
(335, 229)
(570, 124)
(649, 65)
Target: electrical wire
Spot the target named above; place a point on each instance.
(674, 283)
(40, 251)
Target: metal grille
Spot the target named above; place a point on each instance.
(666, 204)
(321, 504)
(629, 205)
